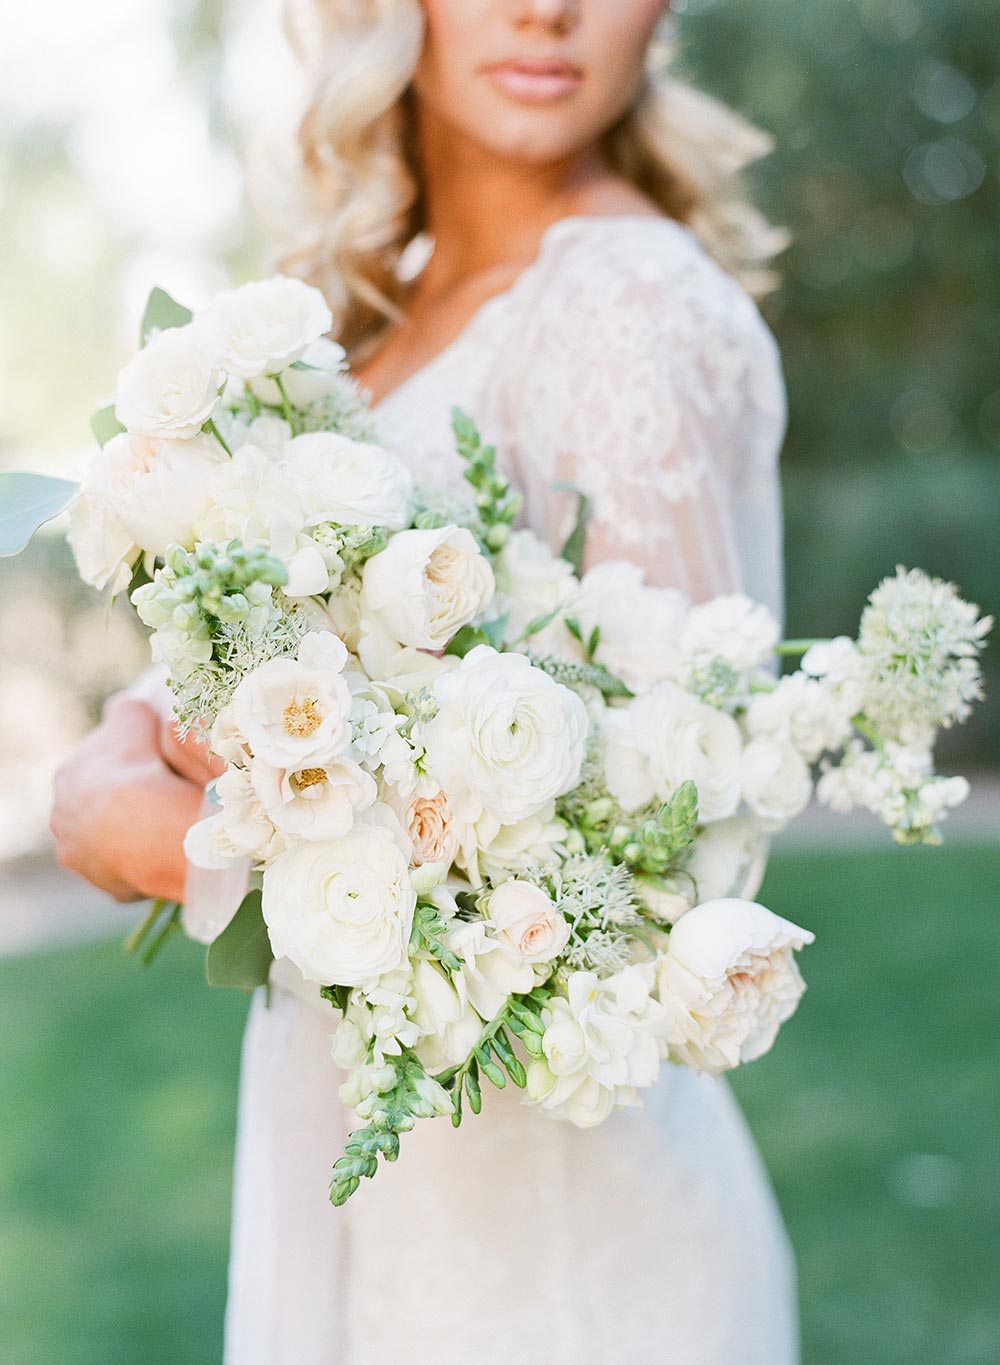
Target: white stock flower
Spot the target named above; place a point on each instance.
(728, 980)
(897, 783)
(342, 910)
(295, 713)
(523, 916)
(532, 582)
(638, 626)
(171, 387)
(425, 585)
(324, 362)
(732, 629)
(668, 736)
(316, 802)
(506, 740)
(803, 712)
(263, 327)
(348, 482)
(840, 668)
(774, 782)
(158, 489)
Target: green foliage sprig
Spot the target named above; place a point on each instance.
(496, 502)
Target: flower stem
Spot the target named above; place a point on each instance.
(286, 406)
(788, 647)
(214, 431)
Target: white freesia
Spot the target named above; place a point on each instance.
(322, 365)
(449, 1026)
(295, 713)
(425, 585)
(668, 736)
(774, 781)
(342, 910)
(491, 969)
(158, 489)
(316, 802)
(637, 626)
(265, 326)
(171, 387)
(506, 739)
(523, 916)
(348, 482)
(728, 980)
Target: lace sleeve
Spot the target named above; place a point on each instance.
(642, 375)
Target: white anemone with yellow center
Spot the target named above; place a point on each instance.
(315, 802)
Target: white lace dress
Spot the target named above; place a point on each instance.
(625, 362)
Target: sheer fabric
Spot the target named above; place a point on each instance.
(623, 362)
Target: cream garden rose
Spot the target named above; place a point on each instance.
(522, 916)
(171, 387)
(341, 910)
(506, 739)
(263, 327)
(426, 585)
(158, 489)
(728, 980)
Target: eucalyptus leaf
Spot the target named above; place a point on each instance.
(241, 956)
(161, 313)
(28, 501)
(104, 424)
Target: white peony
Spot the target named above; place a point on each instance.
(425, 585)
(265, 326)
(727, 981)
(171, 387)
(524, 917)
(323, 362)
(507, 738)
(637, 626)
(342, 910)
(774, 782)
(294, 713)
(316, 802)
(348, 482)
(253, 500)
(668, 736)
(158, 489)
(731, 628)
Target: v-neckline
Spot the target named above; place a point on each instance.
(504, 295)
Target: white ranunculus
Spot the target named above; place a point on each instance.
(506, 739)
(449, 1026)
(802, 711)
(668, 736)
(637, 626)
(104, 551)
(524, 917)
(731, 628)
(251, 499)
(265, 326)
(532, 582)
(491, 971)
(348, 482)
(158, 489)
(316, 802)
(171, 387)
(728, 980)
(342, 910)
(295, 713)
(774, 782)
(241, 828)
(505, 850)
(425, 585)
(324, 362)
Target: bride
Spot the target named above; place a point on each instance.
(588, 300)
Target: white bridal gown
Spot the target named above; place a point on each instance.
(625, 362)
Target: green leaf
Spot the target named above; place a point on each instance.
(466, 639)
(572, 551)
(104, 424)
(163, 312)
(241, 956)
(27, 501)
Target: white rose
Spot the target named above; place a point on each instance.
(731, 628)
(104, 551)
(295, 713)
(348, 482)
(637, 626)
(264, 326)
(159, 490)
(315, 802)
(426, 585)
(727, 981)
(342, 910)
(507, 738)
(325, 361)
(522, 916)
(532, 582)
(171, 387)
(775, 782)
(668, 736)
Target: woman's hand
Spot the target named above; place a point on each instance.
(121, 810)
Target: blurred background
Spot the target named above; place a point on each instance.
(122, 130)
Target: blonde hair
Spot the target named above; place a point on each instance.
(358, 201)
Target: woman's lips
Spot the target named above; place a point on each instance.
(535, 82)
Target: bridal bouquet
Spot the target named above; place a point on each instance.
(501, 812)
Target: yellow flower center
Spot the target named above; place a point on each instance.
(310, 777)
(302, 718)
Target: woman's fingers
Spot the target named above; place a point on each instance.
(189, 757)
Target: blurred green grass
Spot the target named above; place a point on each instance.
(878, 1113)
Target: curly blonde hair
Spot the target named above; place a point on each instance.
(357, 201)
